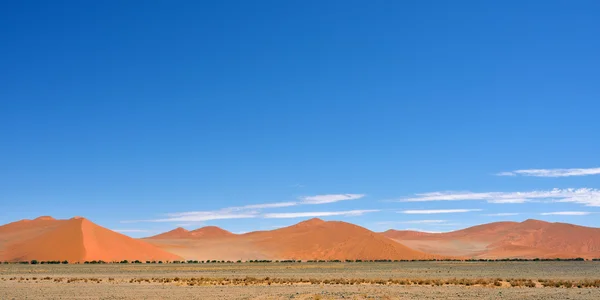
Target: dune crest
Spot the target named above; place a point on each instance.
(74, 240)
(311, 239)
(528, 239)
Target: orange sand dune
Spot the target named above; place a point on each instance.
(210, 232)
(75, 240)
(528, 239)
(312, 239)
(177, 233)
(182, 233)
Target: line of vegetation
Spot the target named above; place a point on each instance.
(244, 281)
(93, 262)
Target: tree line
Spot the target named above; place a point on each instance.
(93, 262)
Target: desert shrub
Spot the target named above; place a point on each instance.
(34, 262)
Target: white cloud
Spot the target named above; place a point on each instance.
(502, 214)
(265, 205)
(317, 214)
(322, 199)
(511, 201)
(566, 213)
(552, 172)
(422, 230)
(438, 211)
(413, 222)
(586, 196)
(247, 211)
(201, 216)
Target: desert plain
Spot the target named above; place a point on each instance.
(329, 280)
(46, 258)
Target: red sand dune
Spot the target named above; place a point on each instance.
(182, 233)
(528, 239)
(312, 239)
(75, 240)
(177, 233)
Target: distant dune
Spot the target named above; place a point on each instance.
(312, 239)
(75, 240)
(528, 239)
(204, 232)
(78, 240)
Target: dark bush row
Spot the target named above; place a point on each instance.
(42, 262)
(93, 262)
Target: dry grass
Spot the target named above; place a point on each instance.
(254, 281)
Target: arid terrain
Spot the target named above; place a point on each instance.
(75, 240)
(528, 239)
(79, 240)
(311, 239)
(401, 280)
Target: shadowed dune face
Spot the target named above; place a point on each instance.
(528, 239)
(312, 239)
(75, 240)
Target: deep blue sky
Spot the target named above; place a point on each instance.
(129, 110)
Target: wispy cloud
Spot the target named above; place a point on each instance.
(423, 230)
(247, 211)
(437, 211)
(567, 213)
(201, 216)
(502, 214)
(322, 199)
(552, 172)
(317, 214)
(265, 205)
(132, 230)
(586, 196)
(412, 222)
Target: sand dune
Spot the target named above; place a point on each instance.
(312, 239)
(182, 233)
(528, 239)
(75, 240)
(78, 239)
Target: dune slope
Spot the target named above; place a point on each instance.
(312, 239)
(528, 239)
(74, 240)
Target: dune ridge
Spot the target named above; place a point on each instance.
(307, 240)
(74, 240)
(528, 239)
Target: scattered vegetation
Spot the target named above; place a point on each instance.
(248, 280)
(35, 262)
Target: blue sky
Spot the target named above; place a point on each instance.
(389, 114)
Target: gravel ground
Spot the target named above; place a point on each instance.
(120, 288)
(47, 290)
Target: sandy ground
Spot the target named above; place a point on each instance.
(149, 291)
(17, 281)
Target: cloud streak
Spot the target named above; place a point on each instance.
(502, 214)
(413, 222)
(566, 213)
(131, 230)
(317, 214)
(322, 199)
(250, 210)
(552, 172)
(585, 196)
(437, 211)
